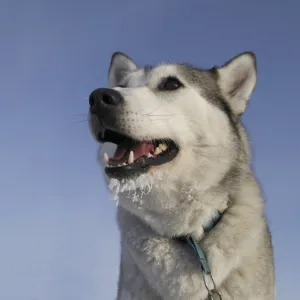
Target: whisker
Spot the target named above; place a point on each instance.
(164, 115)
(158, 120)
(80, 115)
(151, 112)
(81, 121)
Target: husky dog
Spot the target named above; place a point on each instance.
(175, 153)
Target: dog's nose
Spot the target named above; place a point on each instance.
(104, 97)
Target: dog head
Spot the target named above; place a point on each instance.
(171, 125)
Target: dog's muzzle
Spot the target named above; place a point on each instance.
(132, 156)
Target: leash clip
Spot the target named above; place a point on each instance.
(213, 294)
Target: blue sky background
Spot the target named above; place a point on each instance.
(58, 238)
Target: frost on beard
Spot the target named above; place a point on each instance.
(133, 188)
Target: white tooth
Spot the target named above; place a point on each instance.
(157, 151)
(149, 155)
(163, 146)
(106, 158)
(124, 164)
(131, 157)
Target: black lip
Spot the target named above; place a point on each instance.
(141, 166)
(127, 171)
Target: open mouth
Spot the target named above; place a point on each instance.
(133, 157)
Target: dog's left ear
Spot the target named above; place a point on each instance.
(120, 66)
(237, 80)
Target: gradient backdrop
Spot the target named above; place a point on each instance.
(58, 238)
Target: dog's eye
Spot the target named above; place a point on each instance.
(170, 84)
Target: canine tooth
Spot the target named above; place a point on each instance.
(149, 155)
(163, 146)
(106, 158)
(157, 151)
(124, 164)
(131, 157)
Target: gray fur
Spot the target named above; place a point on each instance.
(211, 172)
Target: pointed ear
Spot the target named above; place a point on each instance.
(120, 66)
(237, 80)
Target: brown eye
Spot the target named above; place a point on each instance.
(170, 84)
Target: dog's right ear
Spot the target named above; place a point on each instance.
(120, 66)
(237, 80)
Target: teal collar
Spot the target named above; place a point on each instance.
(216, 218)
(196, 247)
(205, 267)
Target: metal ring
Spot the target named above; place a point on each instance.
(205, 282)
(215, 293)
(212, 292)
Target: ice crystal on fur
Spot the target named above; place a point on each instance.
(135, 189)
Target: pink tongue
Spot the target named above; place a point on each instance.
(120, 153)
(141, 149)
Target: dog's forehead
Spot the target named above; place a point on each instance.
(187, 73)
(149, 74)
